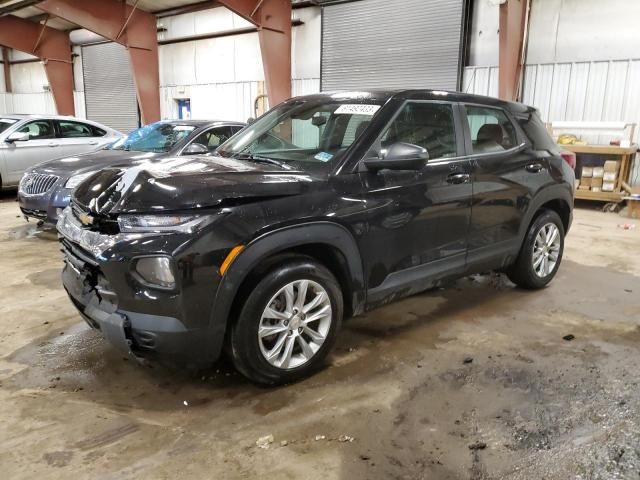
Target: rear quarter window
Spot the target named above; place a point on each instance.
(536, 132)
(98, 132)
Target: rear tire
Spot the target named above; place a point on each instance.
(288, 323)
(541, 252)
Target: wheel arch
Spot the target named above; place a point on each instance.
(329, 243)
(557, 198)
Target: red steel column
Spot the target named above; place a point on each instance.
(513, 14)
(50, 45)
(273, 19)
(7, 69)
(124, 24)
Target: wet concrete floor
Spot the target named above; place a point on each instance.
(472, 381)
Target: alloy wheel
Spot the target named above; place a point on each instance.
(546, 249)
(294, 324)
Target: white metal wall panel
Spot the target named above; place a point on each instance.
(480, 80)
(391, 44)
(110, 94)
(305, 86)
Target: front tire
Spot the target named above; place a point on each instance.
(541, 252)
(288, 324)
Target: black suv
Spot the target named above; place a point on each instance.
(328, 205)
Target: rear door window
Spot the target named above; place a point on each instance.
(491, 130)
(75, 129)
(38, 130)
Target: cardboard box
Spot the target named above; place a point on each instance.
(596, 189)
(598, 172)
(587, 172)
(596, 182)
(611, 166)
(610, 176)
(583, 187)
(586, 182)
(608, 186)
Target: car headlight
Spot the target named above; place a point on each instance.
(156, 271)
(162, 223)
(76, 180)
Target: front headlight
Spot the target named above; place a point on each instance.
(76, 180)
(162, 223)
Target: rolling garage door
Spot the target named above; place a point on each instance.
(391, 44)
(109, 91)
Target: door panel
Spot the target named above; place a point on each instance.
(76, 138)
(413, 225)
(41, 146)
(505, 176)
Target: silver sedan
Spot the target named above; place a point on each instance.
(26, 140)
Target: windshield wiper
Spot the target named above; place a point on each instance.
(252, 157)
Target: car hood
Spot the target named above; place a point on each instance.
(94, 161)
(184, 183)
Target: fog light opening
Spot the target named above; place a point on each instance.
(156, 271)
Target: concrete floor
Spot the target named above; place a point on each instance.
(529, 405)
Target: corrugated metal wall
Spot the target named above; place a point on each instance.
(398, 44)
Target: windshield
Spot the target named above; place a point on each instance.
(308, 134)
(6, 123)
(157, 137)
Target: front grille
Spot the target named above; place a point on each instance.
(37, 183)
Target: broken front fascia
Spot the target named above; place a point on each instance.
(94, 242)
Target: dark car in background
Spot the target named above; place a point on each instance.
(45, 189)
(326, 206)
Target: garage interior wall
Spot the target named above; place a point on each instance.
(583, 60)
(222, 76)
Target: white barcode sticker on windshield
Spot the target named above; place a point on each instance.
(356, 109)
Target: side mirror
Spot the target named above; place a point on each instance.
(17, 137)
(399, 156)
(195, 149)
(250, 120)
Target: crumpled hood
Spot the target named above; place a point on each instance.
(183, 183)
(94, 161)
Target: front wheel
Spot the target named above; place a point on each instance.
(288, 323)
(541, 252)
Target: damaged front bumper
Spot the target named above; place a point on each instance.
(142, 321)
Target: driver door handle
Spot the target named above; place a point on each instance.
(458, 177)
(54, 144)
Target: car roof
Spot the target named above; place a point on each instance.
(382, 96)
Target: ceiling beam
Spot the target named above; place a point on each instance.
(49, 45)
(128, 26)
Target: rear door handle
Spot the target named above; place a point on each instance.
(52, 144)
(534, 167)
(93, 143)
(458, 177)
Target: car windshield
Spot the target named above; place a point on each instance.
(311, 134)
(156, 137)
(6, 123)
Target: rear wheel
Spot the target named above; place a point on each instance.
(288, 323)
(541, 252)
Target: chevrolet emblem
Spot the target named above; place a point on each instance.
(85, 218)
